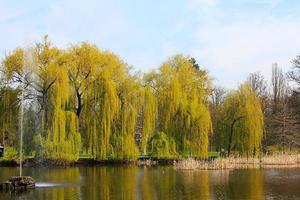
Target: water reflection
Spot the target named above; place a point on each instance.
(241, 184)
(131, 182)
(109, 182)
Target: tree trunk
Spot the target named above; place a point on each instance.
(230, 137)
(79, 103)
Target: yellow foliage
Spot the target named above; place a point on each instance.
(14, 63)
(182, 105)
(148, 117)
(83, 89)
(240, 121)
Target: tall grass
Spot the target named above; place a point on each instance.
(268, 161)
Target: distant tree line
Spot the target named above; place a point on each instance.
(82, 100)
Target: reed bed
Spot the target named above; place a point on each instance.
(268, 161)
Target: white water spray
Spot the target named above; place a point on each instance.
(21, 132)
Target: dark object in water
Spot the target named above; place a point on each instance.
(1, 151)
(18, 183)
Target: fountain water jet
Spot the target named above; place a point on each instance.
(21, 132)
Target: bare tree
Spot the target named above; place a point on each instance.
(258, 84)
(218, 95)
(294, 75)
(279, 86)
(283, 126)
(283, 123)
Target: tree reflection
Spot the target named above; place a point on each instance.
(159, 182)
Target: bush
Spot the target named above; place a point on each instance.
(10, 154)
(161, 146)
(66, 150)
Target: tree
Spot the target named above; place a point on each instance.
(258, 84)
(194, 63)
(218, 96)
(281, 122)
(41, 73)
(83, 61)
(240, 122)
(278, 87)
(183, 113)
(110, 110)
(33, 70)
(217, 99)
(101, 106)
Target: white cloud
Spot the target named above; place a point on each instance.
(234, 47)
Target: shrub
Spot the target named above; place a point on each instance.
(161, 146)
(10, 154)
(66, 150)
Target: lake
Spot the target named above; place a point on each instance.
(160, 182)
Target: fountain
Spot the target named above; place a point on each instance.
(19, 183)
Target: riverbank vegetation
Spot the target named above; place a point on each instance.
(267, 161)
(85, 101)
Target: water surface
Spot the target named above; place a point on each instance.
(162, 182)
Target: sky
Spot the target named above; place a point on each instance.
(229, 38)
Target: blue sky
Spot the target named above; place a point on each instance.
(230, 38)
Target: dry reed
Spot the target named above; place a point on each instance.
(268, 161)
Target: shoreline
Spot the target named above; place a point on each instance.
(88, 162)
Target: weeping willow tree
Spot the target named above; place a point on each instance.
(83, 62)
(41, 72)
(31, 70)
(81, 65)
(183, 114)
(240, 122)
(109, 105)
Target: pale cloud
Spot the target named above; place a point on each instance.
(232, 48)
